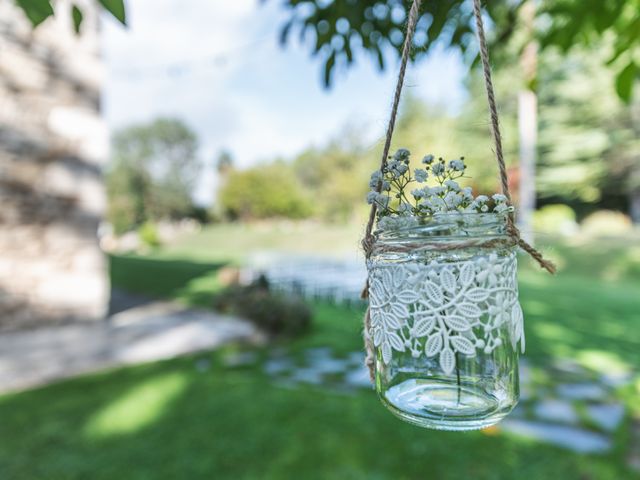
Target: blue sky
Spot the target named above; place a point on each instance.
(218, 66)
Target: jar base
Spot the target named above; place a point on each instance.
(443, 404)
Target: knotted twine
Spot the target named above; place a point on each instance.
(368, 242)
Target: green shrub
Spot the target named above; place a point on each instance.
(269, 191)
(558, 219)
(606, 223)
(148, 234)
(274, 313)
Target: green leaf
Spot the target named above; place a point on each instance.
(328, 67)
(625, 80)
(284, 33)
(347, 49)
(76, 14)
(37, 11)
(116, 8)
(379, 56)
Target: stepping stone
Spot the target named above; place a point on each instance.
(615, 380)
(518, 412)
(276, 366)
(319, 352)
(571, 438)
(307, 375)
(607, 417)
(556, 411)
(524, 372)
(356, 358)
(581, 391)
(525, 393)
(566, 365)
(328, 365)
(359, 378)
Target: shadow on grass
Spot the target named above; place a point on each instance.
(236, 424)
(176, 419)
(173, 420)
(192, 282)
(581, 319)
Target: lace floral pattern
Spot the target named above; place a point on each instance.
(443, 309)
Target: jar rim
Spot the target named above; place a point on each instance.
(451, 224)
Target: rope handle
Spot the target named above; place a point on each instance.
(414, 13)
(512, 230)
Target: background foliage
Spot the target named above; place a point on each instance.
(37, 11)
(262, 192)
(588, 149)
(152, 174)
(339, 31)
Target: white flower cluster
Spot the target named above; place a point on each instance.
(398, 208)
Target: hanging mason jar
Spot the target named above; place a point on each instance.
(445, 320)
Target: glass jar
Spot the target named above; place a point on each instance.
(445, 321)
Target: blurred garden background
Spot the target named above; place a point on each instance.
(183, 188)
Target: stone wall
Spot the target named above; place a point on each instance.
(52, 146)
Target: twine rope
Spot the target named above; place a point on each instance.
(512, 230)
(368, 242)
(444, 246)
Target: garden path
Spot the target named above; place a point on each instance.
(148, 332)
(576, 410)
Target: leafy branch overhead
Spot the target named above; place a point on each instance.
(37, 11)
(338, 31)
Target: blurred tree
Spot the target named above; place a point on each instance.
(37, 11)
(265, 191)
(589, 140)
(224, 163)
(584, 23)
(328, 173)
(335, 175)
(588, 151)
(126, 191)
(342, 28)
(153, 172)
(430, 129)
(588, 146)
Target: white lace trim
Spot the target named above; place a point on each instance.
(445, 308)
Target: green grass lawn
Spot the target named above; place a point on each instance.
(174, 420)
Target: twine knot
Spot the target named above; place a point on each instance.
(368, 243)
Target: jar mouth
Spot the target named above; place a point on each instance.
(446, 225)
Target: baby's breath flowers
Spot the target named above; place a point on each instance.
(399, 208)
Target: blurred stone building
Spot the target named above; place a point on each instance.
(52, 145)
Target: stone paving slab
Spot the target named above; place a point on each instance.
(154, 331)
(606, 416)
(581, 391)
(556, 411)
(552, 417)
(572, 438)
